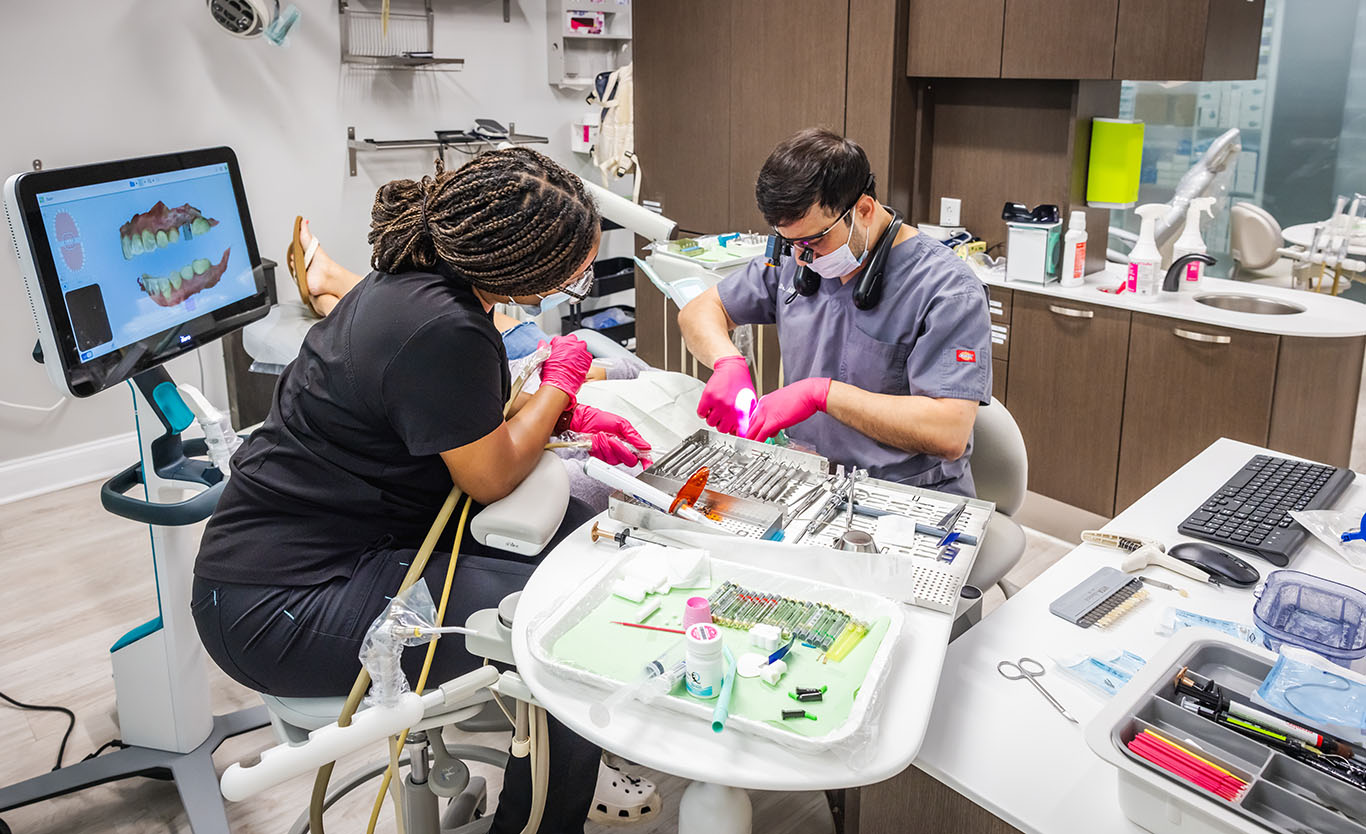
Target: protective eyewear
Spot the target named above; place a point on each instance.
(581, 286)
(813, 240)
(1020, 213)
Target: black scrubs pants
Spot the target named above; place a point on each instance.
(305, 642)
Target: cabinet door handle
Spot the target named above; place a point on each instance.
(1202, 337)
(1068, 311)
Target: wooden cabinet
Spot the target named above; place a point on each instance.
(1189, 40)
(932, 55)
(787, 72)
(1161, 40)
(684, 147)
(1058, 39)
(1189, 384)
(1066, 392)
(1000, 305)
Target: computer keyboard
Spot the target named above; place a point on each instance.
(1252, 510)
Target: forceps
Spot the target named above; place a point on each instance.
(1028, 668)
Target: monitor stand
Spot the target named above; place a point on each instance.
(160, 679)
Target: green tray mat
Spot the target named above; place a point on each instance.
(620, 652)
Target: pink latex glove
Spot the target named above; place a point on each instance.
(788, 406)
(567, 366)
(615, 440)
(728, 399)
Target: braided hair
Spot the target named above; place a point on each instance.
(511, 221)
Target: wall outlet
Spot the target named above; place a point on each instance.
(948, 210)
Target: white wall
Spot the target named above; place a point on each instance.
(88, 81)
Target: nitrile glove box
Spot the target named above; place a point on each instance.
(1033, 252)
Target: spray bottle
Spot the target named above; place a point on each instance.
(1145, 260)
(1190, 242)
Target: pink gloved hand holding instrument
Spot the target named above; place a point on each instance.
(614, 439)
(788, 406)
(728, 399)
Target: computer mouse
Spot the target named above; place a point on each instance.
(1226, 568)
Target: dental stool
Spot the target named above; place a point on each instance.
(1000, 468)
(522, 523)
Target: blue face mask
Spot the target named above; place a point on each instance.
(842, 261)
(545, 305)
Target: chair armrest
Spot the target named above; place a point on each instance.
(525, 520)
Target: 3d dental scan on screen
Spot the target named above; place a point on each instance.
(131, 263)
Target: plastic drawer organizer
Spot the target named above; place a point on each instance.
(911, 572)
(1282, 796)
(580, 641)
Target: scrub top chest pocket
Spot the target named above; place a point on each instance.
(873, 365)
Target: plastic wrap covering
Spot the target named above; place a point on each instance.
(1331, 698)
(1328, 527)
(1208, 177)
(408, 621)
(528, 369)
(847, 736)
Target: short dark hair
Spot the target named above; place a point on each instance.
(812, 167)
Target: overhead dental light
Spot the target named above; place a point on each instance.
(254, 18)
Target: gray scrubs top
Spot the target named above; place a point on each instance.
(930, 336)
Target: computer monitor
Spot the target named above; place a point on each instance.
(129, 264)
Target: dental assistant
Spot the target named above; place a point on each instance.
(893, 389)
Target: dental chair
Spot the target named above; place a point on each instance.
(521, 523)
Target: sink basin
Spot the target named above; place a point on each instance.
(1249, 304)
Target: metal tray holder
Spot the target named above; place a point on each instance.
(1283, 795)
(753, 506)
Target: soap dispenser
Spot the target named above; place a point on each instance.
(1172, 282)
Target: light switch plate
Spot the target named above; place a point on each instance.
(948, 210)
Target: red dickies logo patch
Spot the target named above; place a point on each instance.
(965, 355)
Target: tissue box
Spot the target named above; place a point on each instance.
(1033, 252)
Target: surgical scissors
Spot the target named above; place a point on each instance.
(1026, 668)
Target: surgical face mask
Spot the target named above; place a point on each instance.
(842, 261)
(545, 305)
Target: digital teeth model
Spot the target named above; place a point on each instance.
(197, 276)
(160, 226)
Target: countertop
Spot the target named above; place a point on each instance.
(1001, 745)
(1324, 316)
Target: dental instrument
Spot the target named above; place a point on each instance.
(1027, 668)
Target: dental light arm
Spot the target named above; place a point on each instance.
(1197, 183)
(629, 215)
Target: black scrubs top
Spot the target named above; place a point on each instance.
(405, 367)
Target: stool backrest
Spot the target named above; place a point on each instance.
(1000, 463)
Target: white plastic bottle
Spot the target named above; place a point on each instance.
(1074, 251)
(1190, 242)
(705, 666)
(1145, 261)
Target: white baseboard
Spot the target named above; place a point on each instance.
(26, 477)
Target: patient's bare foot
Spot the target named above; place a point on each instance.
(326, 276)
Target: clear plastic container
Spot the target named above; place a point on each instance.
(1325, 617)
